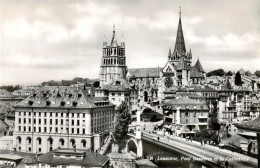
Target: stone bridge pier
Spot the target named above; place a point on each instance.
(135, 141)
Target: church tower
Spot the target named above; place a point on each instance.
(180, 48)
(113, 62)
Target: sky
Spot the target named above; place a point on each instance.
(44, 40)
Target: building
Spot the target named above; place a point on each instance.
(63, 157)
(147, 85)
(184, 116)
(113, 62)
(55, 117)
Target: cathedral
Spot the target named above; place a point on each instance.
(138, 85)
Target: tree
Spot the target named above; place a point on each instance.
(257, 73)
(248, 73)
(214, 122)
(238, 80)
(229, 73)
(119, 135)
(218, 72)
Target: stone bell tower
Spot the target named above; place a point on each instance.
(113, 62)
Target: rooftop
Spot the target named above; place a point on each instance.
(63, 97)
(253, 125)
(144, 72)
(90, 159)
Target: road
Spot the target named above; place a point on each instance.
(206, 152)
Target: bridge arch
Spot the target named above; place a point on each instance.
(136, 146)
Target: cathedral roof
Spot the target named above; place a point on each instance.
(199, 66)
(180, 43)
(144, 72)
(194, 73)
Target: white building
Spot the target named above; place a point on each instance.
(62, 117)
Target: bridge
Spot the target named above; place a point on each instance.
(206, 154)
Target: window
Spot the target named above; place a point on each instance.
(45, 121)
(40, 149)
(39, 121)
(83, 114)
(50, 121)
(24, 120)
(61, 114)
(56, 114)
(56, 121)
(113, 94)
(29, 129)
(78, 115)
(119, 94)
(29, 121)
(29, 113)
(19, 128)
(45, 114)
(19, 113)
(61, 122)
(45, 129)
(34, 129)
(56, 129)
(83, 131)
(77, 130)
(40, 130)
(77, 122)
(34, 113)
(50, 114)
(186, 114)
(72, 122)
(24, 113)
(19, 120)
(24, 128)
(72, 130)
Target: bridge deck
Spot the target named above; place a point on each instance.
(192, 149)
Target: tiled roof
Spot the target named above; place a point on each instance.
(185, 103)
(92, 159)
(194, 73)
(63, 97)
(253, 125)
(144, 72)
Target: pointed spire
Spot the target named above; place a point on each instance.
(180, 12)
(113, 41)
(180, 43)
(122, 42)
(170, 53)
(198, 66)
(105, 41)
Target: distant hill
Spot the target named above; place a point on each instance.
(77, 80)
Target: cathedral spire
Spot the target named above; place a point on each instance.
(113, 41)
(180, 43)
(122, 42)
(105, 41)
(170, 53)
